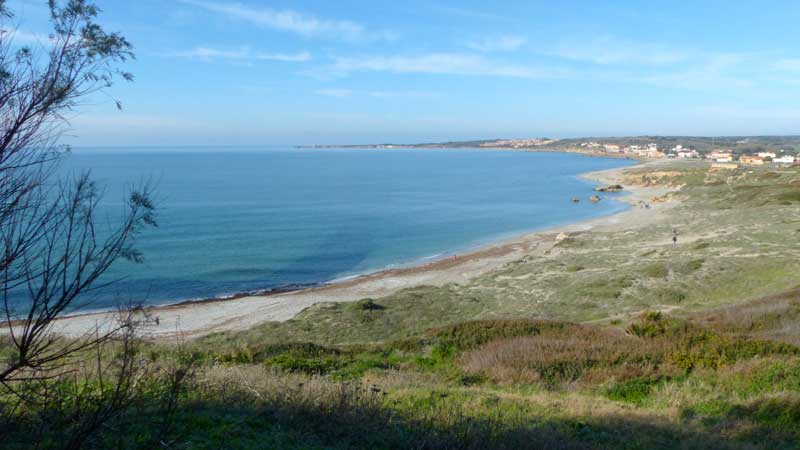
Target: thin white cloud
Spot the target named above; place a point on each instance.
(291, 21)
(242, 54)
(466, 13)
(402, 94)
(439, 64)
(505, 43)
(123, 119)
(750, 112)
(720, 71)
(21, 37)
(608, 50)
(334, 92)
(787, 65)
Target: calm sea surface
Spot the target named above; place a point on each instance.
(235, 220)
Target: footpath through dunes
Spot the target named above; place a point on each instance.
(199, 318)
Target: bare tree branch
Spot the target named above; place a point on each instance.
(51, 251)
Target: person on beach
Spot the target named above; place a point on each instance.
(674, 236)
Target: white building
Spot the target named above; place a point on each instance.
(767, 154)
(687, 153)
(785, 159)
(720, 157)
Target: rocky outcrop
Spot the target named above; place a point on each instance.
(611, 188)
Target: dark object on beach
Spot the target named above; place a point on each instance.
(674, 239)
(594, 198)
(576, 200)
(367, 304)
(611, 188)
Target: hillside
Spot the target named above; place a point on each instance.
(703, 144)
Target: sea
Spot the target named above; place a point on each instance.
(243, 220)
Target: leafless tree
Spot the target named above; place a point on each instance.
(52, 251)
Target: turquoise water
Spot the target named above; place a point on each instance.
(234, 221)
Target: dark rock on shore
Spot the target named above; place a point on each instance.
(611, 188)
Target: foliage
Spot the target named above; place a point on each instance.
(655, 271)
(57, 391)
(469, 335)
(653, 324)
(636, 390)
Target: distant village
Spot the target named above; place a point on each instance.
(519, 143)
(722, 158)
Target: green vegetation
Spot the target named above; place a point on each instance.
(617, 340)
(481, 384)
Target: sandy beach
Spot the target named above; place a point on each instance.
(193, 319)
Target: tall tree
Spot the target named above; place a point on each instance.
(51, 250)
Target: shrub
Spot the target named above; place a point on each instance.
(469, 335)
(789, 197)
(441, 355)
(657, 270)
(366, 304)
(653, 324)
(313, 366)
(636, 390)
(780, 413)
(562, 355)
(710, 350)
(694, 265)
(605, 288)
(669, 295)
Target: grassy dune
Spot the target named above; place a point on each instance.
(612, 340)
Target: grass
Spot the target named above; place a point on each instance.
(656, 270)
(666, 383)
(657, 381)
(637, 390)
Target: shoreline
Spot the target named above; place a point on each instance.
(573, 150)
(417, 262)
(194, 318)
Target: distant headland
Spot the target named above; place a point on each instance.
(747, 150)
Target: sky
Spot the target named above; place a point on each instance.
(256, 72)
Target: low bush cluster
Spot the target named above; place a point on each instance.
(655, 348)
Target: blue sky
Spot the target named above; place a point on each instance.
(249, 72)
